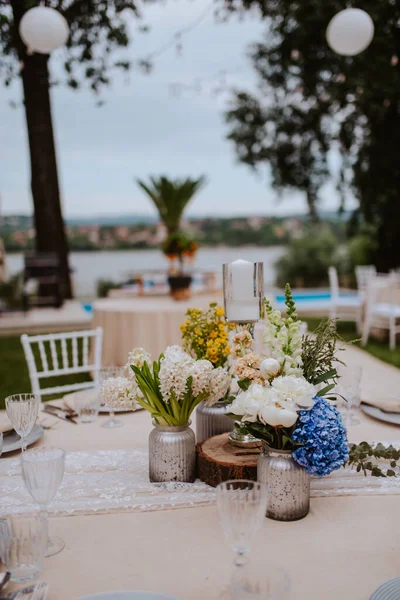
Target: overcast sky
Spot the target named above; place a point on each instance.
(143, 128)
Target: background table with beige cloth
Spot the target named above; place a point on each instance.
(345, 548)
(152, 323)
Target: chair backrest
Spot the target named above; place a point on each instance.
(61, 354)
(333, 283)
(363, 275)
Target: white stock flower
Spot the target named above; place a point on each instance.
(296, 389)
(269, 368)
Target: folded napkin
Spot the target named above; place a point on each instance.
(5, 424)
(389, 405)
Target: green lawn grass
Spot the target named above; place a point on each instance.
(14, 377)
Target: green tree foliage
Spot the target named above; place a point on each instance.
(308, 258)
(97, 29)
(311, 100)
(171, 197)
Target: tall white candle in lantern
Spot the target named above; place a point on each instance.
(243, 291)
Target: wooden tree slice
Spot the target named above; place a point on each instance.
(218, 460)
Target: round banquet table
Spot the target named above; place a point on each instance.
(345, 548)
(148, 322)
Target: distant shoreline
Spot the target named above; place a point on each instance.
(152, 249)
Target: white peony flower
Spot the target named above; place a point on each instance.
(269, 368)
(296, 389)
(276, 416)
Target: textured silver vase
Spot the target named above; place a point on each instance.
(172, 453)
(212, 420)
(288, 485)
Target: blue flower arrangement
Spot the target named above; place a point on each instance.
(323, 437)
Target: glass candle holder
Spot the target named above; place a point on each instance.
(243, 291)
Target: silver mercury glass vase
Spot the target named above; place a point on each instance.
(172, 453)
(212, 420)
(288, 485)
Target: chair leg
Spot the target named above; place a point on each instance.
(366, 331)
(392, 334)
(359, 320)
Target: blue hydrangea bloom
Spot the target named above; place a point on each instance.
(323, 437)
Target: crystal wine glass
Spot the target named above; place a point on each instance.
(106, 397)
(22, 410)
(42, 472)
(241, 506)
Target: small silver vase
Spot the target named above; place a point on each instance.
(172, 453)
(212, 420)
(288, 485)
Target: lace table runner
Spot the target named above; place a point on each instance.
(117, 480)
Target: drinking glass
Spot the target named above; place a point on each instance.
(110, 373)
(42, 472)
(86, 406)
(255, 582)
(23, 542)
(348, 388)
(241, 506)
(22, 410)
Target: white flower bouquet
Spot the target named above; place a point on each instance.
(280, 402)
(171, 387)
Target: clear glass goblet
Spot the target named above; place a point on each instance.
(23, 540)
(106, 398)
(22, 410)
(241, 506)
(348, 388)
(42, 472)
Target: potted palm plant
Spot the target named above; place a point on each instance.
(171, 197)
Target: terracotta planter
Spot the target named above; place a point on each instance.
(180, 286)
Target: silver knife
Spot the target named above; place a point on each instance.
(13, 595)
(59, 415)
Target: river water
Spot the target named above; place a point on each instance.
(89, 267)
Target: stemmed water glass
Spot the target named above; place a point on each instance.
(42, 472)
(348, 388)
(22, 410)
(110, 373)
(241, 506)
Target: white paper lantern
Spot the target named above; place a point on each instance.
(43, 29)
(350, 31)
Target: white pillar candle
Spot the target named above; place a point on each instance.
(243, 305)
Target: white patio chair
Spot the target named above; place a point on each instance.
(347, 307)
(383, 307)
(363, 275)
(60, 354)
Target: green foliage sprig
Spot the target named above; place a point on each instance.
(319, 355)
(361, 455)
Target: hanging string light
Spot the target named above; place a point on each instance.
(43, 29)
(350, 32)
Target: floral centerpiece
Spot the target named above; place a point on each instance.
(205, 336)
(282, 403)
(170, 388)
